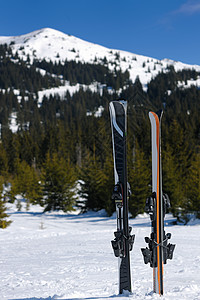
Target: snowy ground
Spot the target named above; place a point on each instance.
(58, 256)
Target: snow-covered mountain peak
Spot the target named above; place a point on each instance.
(51, 44)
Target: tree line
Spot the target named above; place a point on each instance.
(62, 148)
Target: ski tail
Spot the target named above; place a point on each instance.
(159, 250)
(123, 242)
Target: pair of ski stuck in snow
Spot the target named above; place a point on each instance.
(158, 250)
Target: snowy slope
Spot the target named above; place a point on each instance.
(69, 256)
(54, 45)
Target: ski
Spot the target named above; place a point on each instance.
(123, 242)
(158, 250)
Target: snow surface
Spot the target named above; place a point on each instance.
(69, 256)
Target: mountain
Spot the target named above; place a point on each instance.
(55, 46)
(54, 96)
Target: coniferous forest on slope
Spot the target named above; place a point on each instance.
(58, 143)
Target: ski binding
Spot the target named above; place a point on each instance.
(168, 248)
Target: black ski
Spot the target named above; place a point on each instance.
(159, 250)
(123, 242)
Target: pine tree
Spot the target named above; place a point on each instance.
(139, 180)
(193, 187)
(176, 162)
(3, 162)
(3, 215)
(109, 184)
(59, 181)
(94, 186)
(26, 183)
(170, 176)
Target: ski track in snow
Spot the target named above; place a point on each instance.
(72, 258)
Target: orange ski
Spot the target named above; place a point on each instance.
(158, 250)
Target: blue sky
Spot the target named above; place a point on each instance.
(157, 28)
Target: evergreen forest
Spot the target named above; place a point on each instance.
(60, 156)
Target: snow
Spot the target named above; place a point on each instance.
(99, 111)
(50, 44)
(94, 87)
(189, 83)
(55, 46)
(13, 122)
(69, 256)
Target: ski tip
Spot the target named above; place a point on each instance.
(121, 101)
(159, 114)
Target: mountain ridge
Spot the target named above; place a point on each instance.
(56, 46)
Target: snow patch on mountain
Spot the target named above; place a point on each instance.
(13, 122)
(189, 83)
(61, 91)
